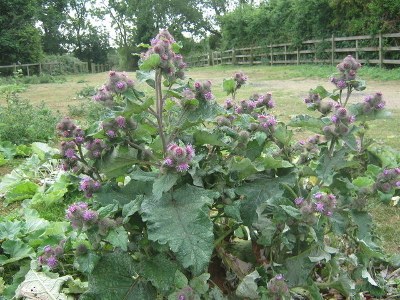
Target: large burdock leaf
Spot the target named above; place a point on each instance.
(39, 285)
(115, 277)
(328, 164)
(184, 223)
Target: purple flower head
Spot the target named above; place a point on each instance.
(271, 104)
(329, 213)
(182, 167)
(397, 183)
(197, 85)
(334, 119)
(319, 207)
(70, 153)
(52, 262)
(380, 105)
(209, 96)
(89, 215)
(272, 122)
(397, 170)
(83, 205)
(318, 196)
(168, 161)
(352, 119)
(121, 121)
(299, 201)
(190, 149)
(111, 133)
(47, 248)
(79, 139)
(341, 84)
(182, 297)
(279, 277)
(367, 99)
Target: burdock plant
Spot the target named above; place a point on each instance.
(188, 199)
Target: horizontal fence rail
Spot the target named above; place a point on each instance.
(56, 68)
(373, 49)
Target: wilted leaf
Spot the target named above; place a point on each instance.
(39, 285)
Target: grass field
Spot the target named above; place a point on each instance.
(288, 84)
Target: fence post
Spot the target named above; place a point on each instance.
(210, 58)
(298, 56)
(356, 49)
(380, 51)
(251, 56)
(40, 68)
(271, 54)
(234, 57)
(27, 70)
(333, 50)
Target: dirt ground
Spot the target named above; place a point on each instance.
(297, 88)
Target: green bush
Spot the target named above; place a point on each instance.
(23, 123)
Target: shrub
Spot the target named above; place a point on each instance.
(23, 123)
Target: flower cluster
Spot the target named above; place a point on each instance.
(321, 204)
(387, 180)
(171, 63)
(263, 100)
(89, 186)
(314, 102)
(81, 217)
(264, 123)
(307, 150)
(278, 288)
(117, 83)
(373, 103)
(245, 107)
(203, 90)
(348, 69)
(118, 124)
(179, 157)
(51, 255)
(341, 120)
(240, 79)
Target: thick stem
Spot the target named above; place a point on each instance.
(148, 152)
(160, 108)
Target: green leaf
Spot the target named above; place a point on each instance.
(203, 137)
(38, 285)
(131, 208)
(111, 191)
(116, 162)
(151, 63)
(87, 262)
(243, 168)
(23, 190)
(118, 237)
(363, 181)
(321, 91)
(259, 192)
(11, 230)
(160, 271)
(17, 251)
(115, 277)
(8, 149)
(147, 77)
(200, 283)
(247, 288)
(308, 123)
(299, 267)
(164, 184)
(184, 223)
(204, 112)
(229, 85)
(283, 135)
(143, 176)
(327, 165)
(291, 211)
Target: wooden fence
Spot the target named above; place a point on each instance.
(56, 68)
(373, 49)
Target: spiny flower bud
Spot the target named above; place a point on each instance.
(243, 136)
(66, 127)
(223, 121)
(81, 249)
(89, 186)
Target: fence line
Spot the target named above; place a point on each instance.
(53, 67)
(365, 48)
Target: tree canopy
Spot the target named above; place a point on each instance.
(30, 29)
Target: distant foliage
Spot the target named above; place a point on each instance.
(23, 123)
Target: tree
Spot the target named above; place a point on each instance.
(53, 15)
(19, 38)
